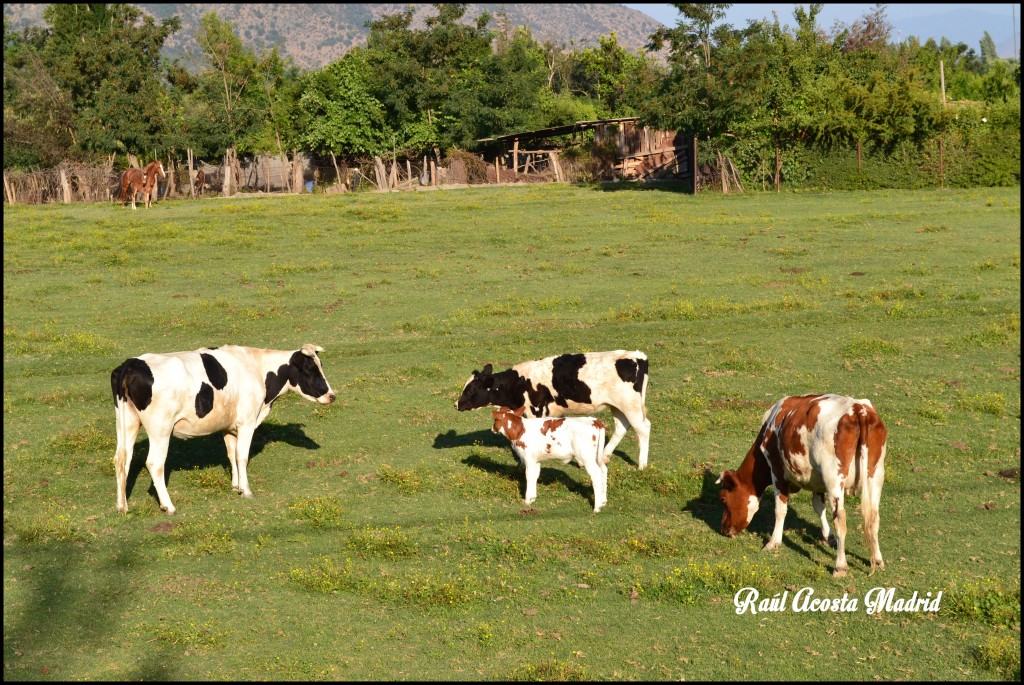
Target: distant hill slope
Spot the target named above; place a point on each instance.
(316, 34)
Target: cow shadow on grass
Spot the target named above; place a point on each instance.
(513, 471)
(799, 534)
(209, 451)
(480, 438)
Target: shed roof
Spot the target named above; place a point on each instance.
(556, 130)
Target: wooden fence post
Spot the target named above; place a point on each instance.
(8, 190)
(553, 156)
(191, 173)
(65, 186)
(515, 160)
(169, 191)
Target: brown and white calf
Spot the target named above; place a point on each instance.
(537, 440)
(828, 444)
(571, 385)
(227, 389)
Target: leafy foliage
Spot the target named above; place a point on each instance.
(93, 83)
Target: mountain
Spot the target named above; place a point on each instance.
(316, 34)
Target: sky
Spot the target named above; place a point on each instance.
(905, 18)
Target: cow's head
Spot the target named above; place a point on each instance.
(739, 502)
(478, 390)
(508, 422)
(306, 375)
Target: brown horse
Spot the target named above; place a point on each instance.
(200, 181)
(140, 181)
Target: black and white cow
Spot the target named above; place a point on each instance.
(227, 389)
(571, 385)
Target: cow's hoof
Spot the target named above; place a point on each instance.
(247, 495)
(170, 510)
(770, 545)
(839, 573)
(831, 541)
(122, 510)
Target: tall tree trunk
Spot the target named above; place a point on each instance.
(229, 165)
(191, 174)
(337, 172)
(778, 169)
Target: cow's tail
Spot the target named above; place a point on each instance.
(868, 510)
(644, 366)
(602, 458)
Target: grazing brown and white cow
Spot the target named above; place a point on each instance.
(571, 385)
(537, 440)
(828, 444)
(227, 389)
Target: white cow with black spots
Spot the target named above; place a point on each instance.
(571, 385)
(227, 389)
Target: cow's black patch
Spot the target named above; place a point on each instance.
(308, 376)
(642, 370)
(626, 368)
(214, 371)
(204, 400)
(632, 371)
(302, 372)
(504, 389)
(565, 377)
(540, 398)
(133, 380)
(276, 381)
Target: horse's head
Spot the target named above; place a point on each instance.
(160, 169)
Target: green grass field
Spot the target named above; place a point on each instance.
(387, 538)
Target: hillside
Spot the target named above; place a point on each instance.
(316, 34)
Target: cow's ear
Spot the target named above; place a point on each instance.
(728, 480)
(486, 370)
(310, 350)
(519, 411)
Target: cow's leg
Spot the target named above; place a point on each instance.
(871, 527)
(621, 425)
(230, 442)
(641, 425)
(155, 461)
(818, 500)
(532, 474)
(599, 481)
(781, 507)
(836, 508)
(242, 457)
(127, 431)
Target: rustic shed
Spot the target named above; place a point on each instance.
(640, 152)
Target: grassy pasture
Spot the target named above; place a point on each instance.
(387, 539)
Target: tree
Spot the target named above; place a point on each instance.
(989, 54)
(429, 80)
(97, 67)
(617, 78)
(692, 32)
(339, 116)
